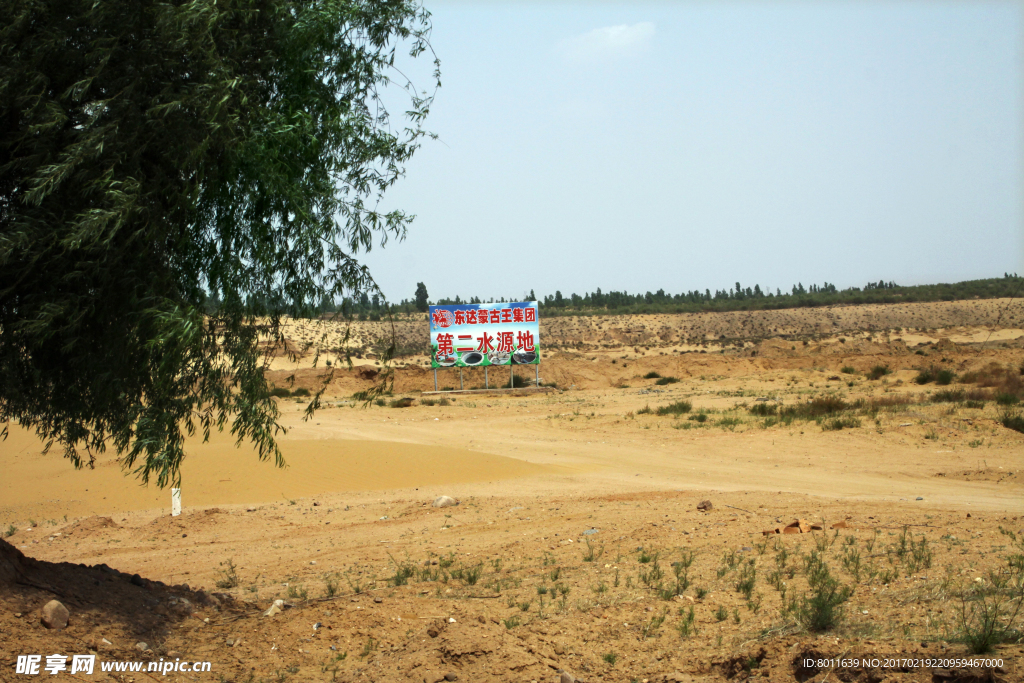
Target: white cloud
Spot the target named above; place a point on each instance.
(609, 42)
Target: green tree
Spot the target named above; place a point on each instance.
(175, 177)
(422, 302)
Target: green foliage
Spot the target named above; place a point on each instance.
(1012, 419)
(1006, 399)
(764, 409)
(878, 372)
(175, 178)
(229, 576)
(519, 381)
(925, 376)
(754, 299)
(677, 408)
(667, 380)
(822, 608)
(280, 392)
(848, 370)
(944, 377)
(652, 375)
(834, 424)
(421, 302)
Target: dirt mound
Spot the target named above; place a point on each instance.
(90, 526)
(189, 521)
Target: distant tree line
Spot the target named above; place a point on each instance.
(363, 306)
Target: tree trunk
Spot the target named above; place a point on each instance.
(12, 563)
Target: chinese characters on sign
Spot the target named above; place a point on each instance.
(475, 335)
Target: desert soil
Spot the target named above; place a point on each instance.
(577, 544)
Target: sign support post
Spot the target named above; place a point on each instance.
(435, 379)
(460, 379)
(511, 377)
(175, 502)
(486, 386)
(536, 372)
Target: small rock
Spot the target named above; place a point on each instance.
(55, 615)
(184, 535)
(451, 620)
(705, 505)
(141, 646)
(920, 498)
(275, 608)
(230, 642)
(17, 615)
(444, 502)
(378, 600)
(590, 532)
(451, 676)
(136, 580)
(566, 677)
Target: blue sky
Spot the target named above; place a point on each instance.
(691, 145)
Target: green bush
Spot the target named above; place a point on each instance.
(836, 423)
(817, 407)
(646, 410)
(280, 392)
(925, 376)
(847, 370)
(949, 396)
(652, 375)
(677, 408)
(878, 372)
(666, 380)
(519, 382)
(1012, 420)
(699, 417)
(764, 409)
(400, 402)
(1005, 399)
(300, 392)
(944, 377)
(822, 609)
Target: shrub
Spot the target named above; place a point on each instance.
(944, 377)
(666, 380)
(400, 402)
(822, 609)
(1005, 399)
(848, 370)
(764, 409)
(300, 392)
(925, 376)
(677, 408)
(652, 375)
(878, 371)
(444, 402)
(1012, 420)
(427, 401)
(280, 392)
(699, 417)
(646, 410)
(816, 407)
(949, 396)
(836, 423)
(519, 382)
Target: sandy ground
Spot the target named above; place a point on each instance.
(568, 501)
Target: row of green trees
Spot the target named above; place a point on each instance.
(737, 298)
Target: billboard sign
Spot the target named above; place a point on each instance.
(478, 335)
